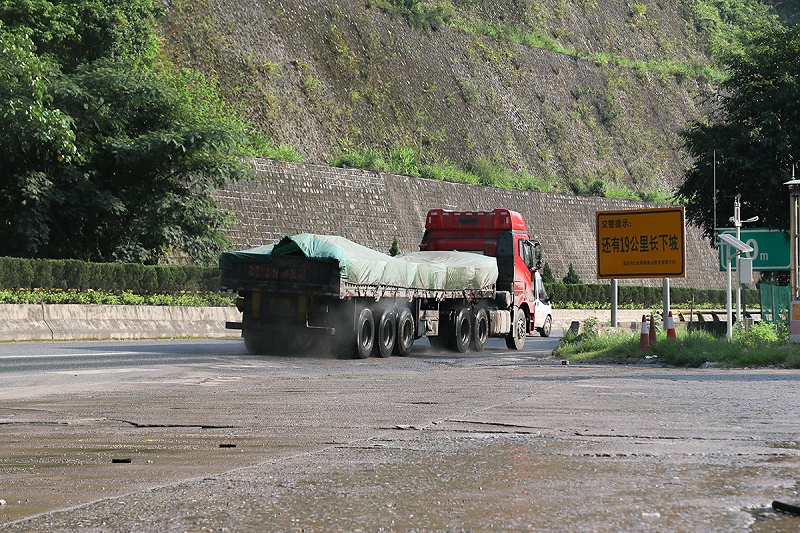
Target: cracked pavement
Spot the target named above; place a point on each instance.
(434, 442)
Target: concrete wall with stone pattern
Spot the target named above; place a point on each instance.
(372, 208)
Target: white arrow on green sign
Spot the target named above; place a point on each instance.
(770, 249)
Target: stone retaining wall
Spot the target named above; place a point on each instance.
(372, 208)
(73, 321)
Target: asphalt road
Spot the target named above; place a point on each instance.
(197, 436)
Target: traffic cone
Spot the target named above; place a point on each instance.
(670, 326)
(644, 338)
(652, 330)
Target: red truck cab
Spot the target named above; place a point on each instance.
(502, 234)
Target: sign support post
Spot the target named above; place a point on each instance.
(614, 302)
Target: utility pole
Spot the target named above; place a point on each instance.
(737, 223)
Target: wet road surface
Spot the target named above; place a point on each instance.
(199, 436)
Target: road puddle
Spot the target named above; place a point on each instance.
(510, 483)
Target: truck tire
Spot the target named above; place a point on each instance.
(462, 330)
(386, 334)
(365, 333)
(516, 338)
(544, 331)
(480, 330)
(405, 333)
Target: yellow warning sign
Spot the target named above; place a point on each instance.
(644, 243)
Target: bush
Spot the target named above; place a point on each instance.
(27, 296)
(598, 296)
(20, 273)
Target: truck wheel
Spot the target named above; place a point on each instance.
(387, 330)
(365, 333)
(544, 331)
(480, 330)
(516, 338)
(405, 333)
(462, 330)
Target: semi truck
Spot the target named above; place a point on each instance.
(475, 276)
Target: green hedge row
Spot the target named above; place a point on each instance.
(645, 297)
(18, 273)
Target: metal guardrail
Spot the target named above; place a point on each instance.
(713, 315)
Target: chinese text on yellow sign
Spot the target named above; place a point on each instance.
(646, 243)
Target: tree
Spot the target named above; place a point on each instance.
(109, 155)
(36, 138)
(74, 32)
(753, 134)
(394, 249)
(572, 277)
(547, 274)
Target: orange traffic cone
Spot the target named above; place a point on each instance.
(670, 326)
(652, 330)
(644, 338)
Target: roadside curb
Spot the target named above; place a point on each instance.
(75, 321)
(29, 322)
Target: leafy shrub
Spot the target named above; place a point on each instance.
(420, 14)
(37, 296)
(20, 273)
(490, 173)
(598, 296)
(404, 161)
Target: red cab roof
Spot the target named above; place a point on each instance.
(498, 219)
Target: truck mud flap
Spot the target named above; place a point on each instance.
(233, 325)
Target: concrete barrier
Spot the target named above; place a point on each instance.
(73, 321)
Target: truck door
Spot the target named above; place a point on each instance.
(526, 253)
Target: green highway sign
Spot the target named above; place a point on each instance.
(770, 249)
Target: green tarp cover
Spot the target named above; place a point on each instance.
(363, 266)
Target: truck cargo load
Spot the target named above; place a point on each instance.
(360, 265)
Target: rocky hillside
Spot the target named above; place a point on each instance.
(598, 89)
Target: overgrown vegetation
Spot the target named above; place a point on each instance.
(764, 344)
(577, 295)
(539, 39)
(52, 296)
(747, 140)
(420, 14)
(69, 274)
(482, 171)
(110, 152)
(728, 24)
